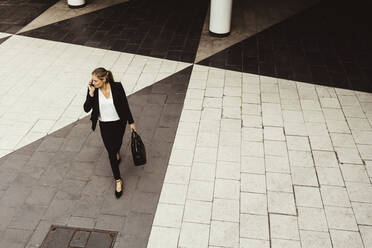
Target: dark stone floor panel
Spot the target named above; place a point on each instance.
(328, 44)
(163, 29)
(15, 14)
(68, 172)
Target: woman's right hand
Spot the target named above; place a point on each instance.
(91, 88)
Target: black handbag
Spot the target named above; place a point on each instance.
(138, 149)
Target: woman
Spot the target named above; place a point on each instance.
(110, 106)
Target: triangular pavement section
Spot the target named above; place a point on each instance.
(60, 11)
(17, 14)
(71, 167)
(163, 29)
(56, 102)
(326, 45)
(4, 39)
(248, 18)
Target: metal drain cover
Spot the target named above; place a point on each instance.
(71, 237)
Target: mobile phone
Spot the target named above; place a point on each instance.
(91, 83)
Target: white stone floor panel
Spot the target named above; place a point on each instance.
(260, 161)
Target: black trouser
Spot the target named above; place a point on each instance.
(112, 133)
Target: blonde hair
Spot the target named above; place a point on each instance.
(102, 74)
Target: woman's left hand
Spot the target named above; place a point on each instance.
(133, 127)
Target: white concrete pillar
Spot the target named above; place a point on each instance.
(220, 17)
(76, 3)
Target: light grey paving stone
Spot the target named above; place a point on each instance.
(281, 243)
(348, 155)
(274, 120)
(338, 126)
(304, 176)
(275, 148)
(359, 124)
(271, 108)
(231, 112)
(341, 218)
(173, 193)
(279, 182)
(270, 97)
(292, 128)
(281, 203)
(313, 116)
(362, 137)
(351, 100)
(230, 139)
(177, 174)
(252, 203)
(211, 114)
(325, 159)
(335, 196)
(200, 190)
(284, 227)
(274, 133)
(207, 140)
(333, 114)
(205, 154)
(369, 168)
(252, 121)
(163, 237)
(254, 226)
(194, 235)
(359, 192)
(293, 116)
(254, 243)
(342, 140)
(321, 142)
(225, 210)
(253, 183)
(181, 157)
(365, 151)
(184, 142)
(252, 149)
(316, 128)
(228, 153)
(312, 219)
(327, 102)
(82, 222)
(168, 215)
(27, 217)
(198, 211)
(354, 173)
(366, 233)
(225, 234)
(212, 102)
(346, 239)
(187, 128)
(203, 171)
(330, 176)
(313, 239)
(207, 126)
(277, 164)
(254, 165)
(308, 197)
(227, 189)
(300, 159)
(252, 134)
(228, 170)
(298, 143)
(310, 105)
(362, 213)
(231, 125)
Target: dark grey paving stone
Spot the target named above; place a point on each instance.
(99, 240)
(326, 44)
(17, 14)
(163, 29)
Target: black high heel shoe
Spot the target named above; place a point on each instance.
(119, 193)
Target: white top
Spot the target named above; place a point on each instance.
(107, 111)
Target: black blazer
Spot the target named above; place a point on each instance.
(120, 103)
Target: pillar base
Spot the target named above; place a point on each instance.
(77, 6)
(218, 35)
